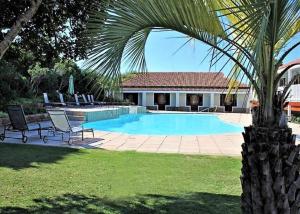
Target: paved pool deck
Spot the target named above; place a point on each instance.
(216, 144)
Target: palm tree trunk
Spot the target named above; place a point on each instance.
(17, 27)
(270, 172)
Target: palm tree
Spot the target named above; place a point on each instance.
(256, 36)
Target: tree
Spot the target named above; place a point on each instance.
(20, 22)
(252, 34)
(54, 32)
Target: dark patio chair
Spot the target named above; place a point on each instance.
(18, 123)
(61, 125)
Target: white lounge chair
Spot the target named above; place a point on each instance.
(96, 102)
(86, 101)
(78, 103)
(47, 102)
(61, 125)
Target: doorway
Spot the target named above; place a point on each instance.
(161, 100)
(228, 101)
(131, 97)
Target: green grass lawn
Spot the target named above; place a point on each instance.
(55, 180)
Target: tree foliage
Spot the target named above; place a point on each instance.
(56, 30)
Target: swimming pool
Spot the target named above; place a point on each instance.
(166, 124)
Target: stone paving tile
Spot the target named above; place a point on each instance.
(154, 140)
(170, 144)
(114, 142)
(151, 144)
(101, 133)
(207, 145)
(111, 137)
(148, 148)
(226, 145)
(189, 145)
(133, 142)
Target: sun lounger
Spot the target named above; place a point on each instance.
(86, 101)
(18, 123)
(78, 103)
(62, 101)
(89, 98)
(47, 103)
(61, 125)
(96, 102)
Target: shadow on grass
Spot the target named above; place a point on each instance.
(189, 203)
(17, 157)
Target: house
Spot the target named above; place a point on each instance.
(294, 97)
(185, 91)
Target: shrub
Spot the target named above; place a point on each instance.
(296, 119)
(12, 84)
(30, 105)
(3, 114)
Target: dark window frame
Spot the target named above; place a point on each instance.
(233, 99)
(187, 101)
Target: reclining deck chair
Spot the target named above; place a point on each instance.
(85, 100)
(18, 123)
(61, 125)
(47, 103)
(77, 101)
(97, 102)
(62, 101)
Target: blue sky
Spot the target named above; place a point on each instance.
(162, 54)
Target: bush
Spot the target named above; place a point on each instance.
(12, 84)
(30, 105)
(18, 87)
(296, 119)
(3, 114)
(43, 79)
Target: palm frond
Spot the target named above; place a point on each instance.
(250, 33)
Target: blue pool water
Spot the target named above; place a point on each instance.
(166, 124)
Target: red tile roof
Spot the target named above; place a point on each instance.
(296, 61)
(175, 80)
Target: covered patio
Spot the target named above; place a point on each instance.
(185, 91)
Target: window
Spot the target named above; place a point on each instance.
(194, 99)
(228, 100)
(161, 99)
(297, 81)
(131, 97)
(282, 82)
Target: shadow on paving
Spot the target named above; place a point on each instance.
(18, 157)
(189, 203)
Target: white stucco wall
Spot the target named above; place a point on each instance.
(140, 99)
(206, 100)
(172, 99)
(242, 100)
(216, 100)
(149, 99)
(182, 99)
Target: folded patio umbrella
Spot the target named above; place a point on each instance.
(71, 85)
